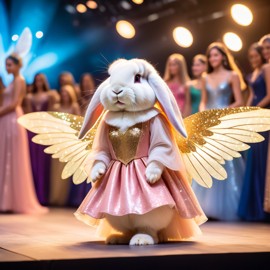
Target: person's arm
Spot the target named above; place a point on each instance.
(18, 88)
(250, 97)
(237, 93)
(203, 102)
(28, 103)
(76, 109)
(266, 100)
(187, 108)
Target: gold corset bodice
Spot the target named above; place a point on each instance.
(125, 144)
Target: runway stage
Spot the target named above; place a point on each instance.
(58, 241)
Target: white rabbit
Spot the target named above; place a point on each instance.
(129, 96)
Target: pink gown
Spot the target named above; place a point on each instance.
(178, 91)
(124, 190)
(17, 193)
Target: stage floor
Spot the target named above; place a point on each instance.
(59, 236)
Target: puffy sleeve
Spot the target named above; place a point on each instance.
(100, 150)
(163, 147)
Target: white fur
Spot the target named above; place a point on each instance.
(153, 171)
(141, 239)
(123, 120)
(150, 223)
(97, 171)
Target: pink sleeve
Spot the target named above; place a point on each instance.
(163, 147)
(100, 150)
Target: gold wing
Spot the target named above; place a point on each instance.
(217, 135)
(60, 132)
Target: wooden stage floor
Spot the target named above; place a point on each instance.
(58, 241)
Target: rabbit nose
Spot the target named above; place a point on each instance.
(117, 91)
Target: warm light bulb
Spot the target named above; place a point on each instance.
(125, 29)
(92, 4)
(81, 8)
(233, 41)
(138, 2)
(241, 14)
(183, 37)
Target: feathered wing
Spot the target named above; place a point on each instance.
(59, 131)
(217, 135)
(24, 43)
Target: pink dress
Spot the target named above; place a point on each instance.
(17, 193)
(124, 190)
(178, 91)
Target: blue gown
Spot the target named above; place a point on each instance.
(222, 200)
(252, 197)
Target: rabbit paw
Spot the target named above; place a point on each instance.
(97, 171)
(153, 172)
(141, 239)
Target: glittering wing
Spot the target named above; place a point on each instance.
(217, 135)
(59, 131)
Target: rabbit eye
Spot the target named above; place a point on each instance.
(137, 78)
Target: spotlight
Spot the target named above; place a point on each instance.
(183, 37)
(125, 5)
(138, 2)
(125, 29)
(70, 9)
(233, 41)
(92, 4)
(81, 8)
(39, 34)
(241, 14)
(15, 37)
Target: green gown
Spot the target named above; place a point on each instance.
(195, 95)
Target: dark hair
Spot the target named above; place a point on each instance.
(258, 48)
(2, 86)
(15, 59)
(45, 83)
(228, 61)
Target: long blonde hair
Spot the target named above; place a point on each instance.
(182, 67)
(71, 91)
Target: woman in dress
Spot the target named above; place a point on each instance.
(198, 68)
(60, 189)
(39, 100)
(87, 90)
(252, 197)
(265, 43)
(176, 76)
(17, 192)
(66, 78)
(221, 85)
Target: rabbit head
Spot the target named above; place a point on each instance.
(133, 86)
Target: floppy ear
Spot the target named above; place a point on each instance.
(92, 112)
(168, 102)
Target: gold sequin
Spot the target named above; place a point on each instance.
(125, 143)
(197, 126)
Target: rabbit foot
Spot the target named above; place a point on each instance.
(142, 239)
(119, 239)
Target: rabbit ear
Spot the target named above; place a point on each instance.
(24, 43)
(92, 112)
(168, 102)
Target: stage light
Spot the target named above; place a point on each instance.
(92, 4)
(183, 37)
(14, 37)
(39, 34)
(70, 9)
(138, 2)
(125, 5)
(233, 41)
(81, 8)
(241, 14)
(125, 29)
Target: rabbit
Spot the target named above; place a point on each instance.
(145, 211)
